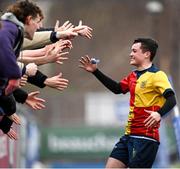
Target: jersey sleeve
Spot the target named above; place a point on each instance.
(161, 83)
(124, 83)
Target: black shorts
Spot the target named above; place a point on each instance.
(135, 152)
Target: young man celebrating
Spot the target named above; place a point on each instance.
(151, 97)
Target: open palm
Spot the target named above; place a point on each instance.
(87, 65)
(35, 102)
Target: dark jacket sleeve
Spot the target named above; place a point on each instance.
(20, 95)
(5, 124)
(38, 79)
(8, 65)
(53, 37)
(23, 70)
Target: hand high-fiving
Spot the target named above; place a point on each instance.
(35, 102)
(65, 26)
(57, 82)
(86, 64)
(68, 31)
(86, 31)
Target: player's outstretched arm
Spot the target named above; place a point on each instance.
(86, 64)
(89, 65)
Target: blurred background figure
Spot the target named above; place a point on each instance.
(79, 127)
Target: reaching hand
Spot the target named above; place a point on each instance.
(61, 57)
(34, 102)
(87, 65)
(57, 82)
(67, 34)
(49, 47)
(65, 26)
(13, 84)
(86, 31)
(70, 33)
(55, 54)
(62, 44)
(23, 80)
(15, 118)
(12, 134)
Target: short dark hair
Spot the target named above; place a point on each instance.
(148, 44)
(22, 9)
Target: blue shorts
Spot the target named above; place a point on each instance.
(135, 152)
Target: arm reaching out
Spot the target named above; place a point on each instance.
(13, 84)
(65, 26)
(86, 31)
(86, 64)
(33, 53)
(57, 82)
(52, 53)
(12, 134)
(34, 102)
(23, 80)
(69, 33)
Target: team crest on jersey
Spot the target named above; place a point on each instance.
(143, 84)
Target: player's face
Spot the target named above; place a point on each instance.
(137, 56)
(31, 26)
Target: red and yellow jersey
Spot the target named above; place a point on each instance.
(146, 89)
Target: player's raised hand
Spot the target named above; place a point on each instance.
(86, 64)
